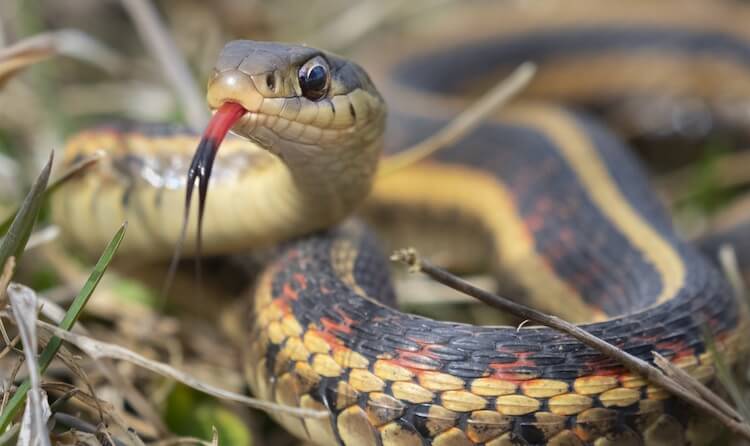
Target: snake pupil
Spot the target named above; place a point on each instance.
(314, 82)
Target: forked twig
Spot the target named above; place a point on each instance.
(411, 258)
(693, 384)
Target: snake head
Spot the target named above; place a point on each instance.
(298, 100)
(310, 108)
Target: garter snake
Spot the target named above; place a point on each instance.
(546, 195)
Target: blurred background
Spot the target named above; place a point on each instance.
(86, 61)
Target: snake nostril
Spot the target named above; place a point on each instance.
(271, 81)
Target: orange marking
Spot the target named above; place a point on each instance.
(283, 306)
(330, 326)
(567, 236)
(301, 280)
(500, 371)
(289, 292)
(534, 222)
(543, 205)
(411, 361)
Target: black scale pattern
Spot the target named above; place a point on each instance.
(377, 330)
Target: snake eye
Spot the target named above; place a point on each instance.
(314, 78)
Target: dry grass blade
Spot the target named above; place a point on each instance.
(67, 323)
(465, 122)
(129, 392)
(98, 350)
(68, 42)
(728, 262)
(163, 49)
(5, 277)
(23, 54)
(725, 375)
(353, 23)
(178, 441)
(636, 365)
(34, 425)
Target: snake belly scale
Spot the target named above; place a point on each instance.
(562, 210)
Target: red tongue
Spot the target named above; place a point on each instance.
(222, 121)
(200, 168)
(203, 159)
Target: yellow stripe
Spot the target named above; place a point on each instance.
(594, 176)
(479, 194)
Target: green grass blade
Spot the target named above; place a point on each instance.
(67, 175)
(23, 223)
(49, 352)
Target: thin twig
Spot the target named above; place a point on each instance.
(364, 18)
(11, 380)
(353, 23)
(69, 42)
(465, 122)
(10, 345)
(79, 425)
(97, 350)
(162, 48)
(632, 363)
(693, 384)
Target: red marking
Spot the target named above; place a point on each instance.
(330, 326)
(223, 120)
(581, 280)
(411, 360)
(289, 292)
(534, 222)
(567, 236)
(609, 371)
(554, 252)
(283, 306)
(507, 371)
(678, 348)
(331, 339)
(301, 280)
(543, 205)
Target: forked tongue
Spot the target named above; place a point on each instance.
(200, 168)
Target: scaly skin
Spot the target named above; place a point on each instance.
(562, 210)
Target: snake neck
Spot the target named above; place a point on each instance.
(322, 188)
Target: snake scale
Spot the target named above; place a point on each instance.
(545, 194)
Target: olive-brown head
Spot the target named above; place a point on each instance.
(297, 99)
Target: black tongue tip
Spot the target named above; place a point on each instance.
(200, 169)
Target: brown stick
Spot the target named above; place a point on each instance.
(411, 258)
(689, 382)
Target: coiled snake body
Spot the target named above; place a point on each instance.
(548, 196)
